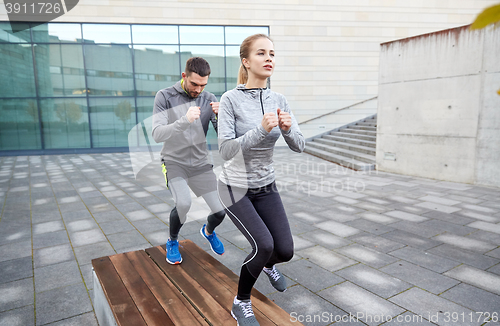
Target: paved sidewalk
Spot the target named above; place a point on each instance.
(376, 246)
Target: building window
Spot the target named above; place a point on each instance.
(72, 86)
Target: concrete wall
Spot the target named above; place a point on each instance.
(327, 51)
(439, 113)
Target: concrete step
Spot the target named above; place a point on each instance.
(353, 141)
(359, 132)
(367, 124)
(349, 154)
(344, 145)
(358, 127)
(351, 136)
(339, 159)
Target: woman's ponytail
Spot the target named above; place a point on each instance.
(242, 75)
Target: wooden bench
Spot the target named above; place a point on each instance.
(141, 288)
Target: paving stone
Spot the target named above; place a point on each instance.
(443, 226)
(421, 258)
(403, 199)
(485, 236)
(62, 303)
(476, 277)
(52, 255)
(76, 215)
(46, 227)
(366, 306)
(409, 319)
(85, 254)
(87, 319)
(432, 307)
(376, 243)
(307, 307)
(81, 225)
(370, 227)
(473, 298)
(370, 257)
(126, 240)
(325, 258)
(150, 225)
(325, 239)
(50, 239)
(479, 216)
(485, 226)
(58, 275)
(18, 317)
(452, 218)
(44, 216)
(373, 207)
(297, 227)
(494, 253)
(338, 229)
(16, 294)
(310, 275)
(308, 217)
(439, 200)
(416, 228)
(465, 243)
(410, 239)
(82, 238)
(406, 216)
(479, 208)
(495, 269)
(139, 215)
(373, 280)
(464, 256)
(421, 277)
(16, 269)
(341, 213)
(378, 218)
(117, 226)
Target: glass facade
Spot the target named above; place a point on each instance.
(83, 87)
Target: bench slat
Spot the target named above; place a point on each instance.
(201, 299)
(220, 291)
(122, 305)
(181, 312)
(145, 301)
(215, 268)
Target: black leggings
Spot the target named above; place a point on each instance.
(260, 216)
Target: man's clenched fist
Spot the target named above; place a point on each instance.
(193, 113)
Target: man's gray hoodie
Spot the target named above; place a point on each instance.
(244, 143)
(183, 142)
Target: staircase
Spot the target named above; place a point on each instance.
(352, 146)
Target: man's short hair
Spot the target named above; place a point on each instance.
(197, 65)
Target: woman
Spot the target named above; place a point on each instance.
(251, 119)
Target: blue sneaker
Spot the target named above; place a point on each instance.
(173, 255)
(215, 243)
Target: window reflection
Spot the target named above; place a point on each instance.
(155, 34)
(233, 63)
(101, 71)
(202, 34)
(65, 123)
(236, 35)
(57, 33)
(106, 33)
(156, 67)
(111, 120)
(109, 70)
(19, 125)
(215, 57)
(16, 71)
(7, 36)
(60, 70)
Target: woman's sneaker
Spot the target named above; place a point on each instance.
(173, 255)
(278, 281)
(243, 313)
(215, 243)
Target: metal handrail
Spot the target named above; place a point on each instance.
(347, 107)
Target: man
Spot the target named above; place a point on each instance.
(181, 116)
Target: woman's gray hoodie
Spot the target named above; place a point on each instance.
(244, 144)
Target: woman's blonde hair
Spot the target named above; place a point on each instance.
(245, 48)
